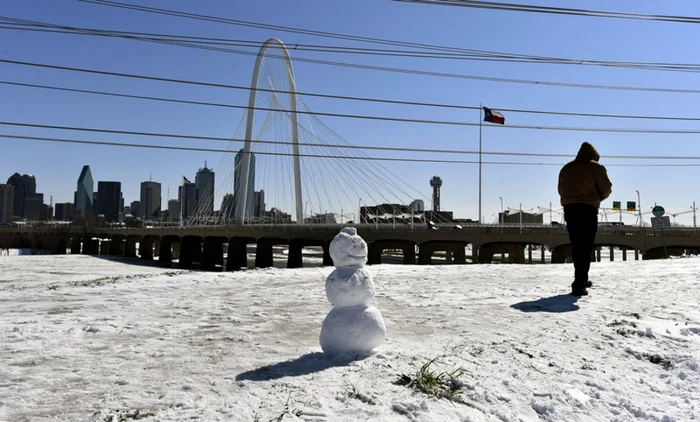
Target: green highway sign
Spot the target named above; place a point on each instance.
(658, 211)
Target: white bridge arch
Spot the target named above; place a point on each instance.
(245, 171)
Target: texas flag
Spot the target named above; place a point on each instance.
(493, 116)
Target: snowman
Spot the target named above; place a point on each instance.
(353, 326)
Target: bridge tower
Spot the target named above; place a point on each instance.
(436, 182)
(246, 159)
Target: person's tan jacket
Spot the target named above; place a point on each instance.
(584, 180)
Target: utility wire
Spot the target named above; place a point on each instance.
(346, 157)
(309, 94)
(469, 54)
(513, 7)
(318, 144)
(382, 118)
(226, 151)
(445, 74)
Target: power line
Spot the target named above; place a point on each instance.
(354, 38)
(176, 148)
(422, 150)
(468, 54)
(451, 75)
(310, 94)
(354, 116)
(491, 5)
(370, 117)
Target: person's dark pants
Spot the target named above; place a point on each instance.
(582, 225)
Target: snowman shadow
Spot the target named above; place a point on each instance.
(303, 365)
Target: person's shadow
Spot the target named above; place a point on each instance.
(559, 303)
(303, 365)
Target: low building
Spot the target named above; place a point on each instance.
(513, 217)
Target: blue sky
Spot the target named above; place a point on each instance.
(57, 166)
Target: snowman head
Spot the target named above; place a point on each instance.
(348, 249)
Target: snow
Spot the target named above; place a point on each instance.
(350, 286)
(352, 326)
(352, 330)
(88, 339)
(347, 249)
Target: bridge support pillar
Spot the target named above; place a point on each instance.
(213, 254)
(597, 254)
(237, 255)
(560, 253)
(374, 254)
(636, 255)
(86, 246)
(130, 248)
(60, 246)
(94, 246)
(294, 259)
(116, 246)
(409, 255)
(165, 254)
(156, 248)
(448, 257)
(424, 255)
(263, 254)
(624, 254)
(460, 257)
(146, 250)
(529, 254)
(327, 260)
(612, 254)
(75, 245)
(542, 251)
(190, 251)
(105, 246)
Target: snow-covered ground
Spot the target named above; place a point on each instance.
(88, 339)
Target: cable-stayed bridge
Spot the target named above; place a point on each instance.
(292, 167)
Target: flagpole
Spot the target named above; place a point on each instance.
(480, 119)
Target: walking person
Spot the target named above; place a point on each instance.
(583, 185)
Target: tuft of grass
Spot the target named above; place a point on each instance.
(659, 360)
(626, 332)
(434, 383)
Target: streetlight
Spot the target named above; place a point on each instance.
(500, 217)
(639, 203)
(359, 209)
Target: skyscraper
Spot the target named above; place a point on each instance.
(436, 183)
(7, 201)
(136, 208)
(150, 200)
(26, 202)
(227, 207)
(109, 195)
(187, 195)
(84, 194)
(205, 181)
(173, 209)
(24, 186)
(237, 181)
(259, 203)
(65, 211)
